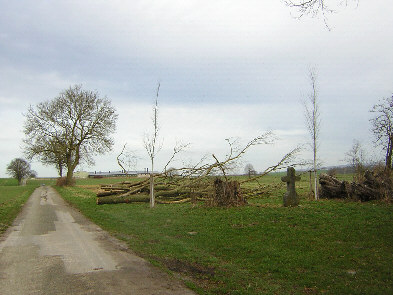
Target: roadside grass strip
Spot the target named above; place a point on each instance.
(12, 198)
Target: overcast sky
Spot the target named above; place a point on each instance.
(227, 69)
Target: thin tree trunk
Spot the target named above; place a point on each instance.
(152, 200)
(316, 185)
(389, 151)
(315, 173)
(315, 126)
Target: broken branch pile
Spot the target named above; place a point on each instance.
(213, 191)
(165, 192)
(377, 185)
(195, 182)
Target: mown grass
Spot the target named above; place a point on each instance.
(12, 198)
(331, 247)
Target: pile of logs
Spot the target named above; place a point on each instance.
(375, 186)
(164, 192)
(213, 191)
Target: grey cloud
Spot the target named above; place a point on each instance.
(204, 52)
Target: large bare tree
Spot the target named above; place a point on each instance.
(69, 129)
(313, 121)
(382, 127)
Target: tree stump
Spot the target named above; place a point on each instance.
(227, 194)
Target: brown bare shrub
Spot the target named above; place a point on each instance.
(62, 181)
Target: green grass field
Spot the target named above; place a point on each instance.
(324, 247)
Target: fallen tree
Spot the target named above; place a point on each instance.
(377, 185)
(203, 181)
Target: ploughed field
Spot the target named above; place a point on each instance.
(329, 246)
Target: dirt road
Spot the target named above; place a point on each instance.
(53, 249)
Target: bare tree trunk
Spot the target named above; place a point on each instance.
(389, 151)
(152, 200)
(69, 169)
(60, 168)
(119, 161)
(315, 134)
(71, 165)
(313, 125)
(315, 165)
(70, 174)
(316, 185)
(152, 148)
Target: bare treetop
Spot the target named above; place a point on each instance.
(382, 127)
(314, 8)
(309, 7)
(313, 122)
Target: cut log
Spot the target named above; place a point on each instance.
(114, 187)
(162, 187)
(140, 189)
(171, 193)
(123, 199)
(181, 201)
(332, 188)
(110, 193)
